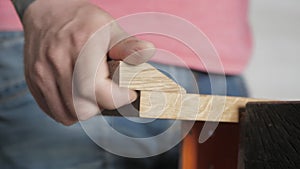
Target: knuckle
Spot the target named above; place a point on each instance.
(53, 53)
(55, 57)
(38, 71)
(110, 106)
(81, 90)
(60, 116)
(60, 35)
(78, 39)
(85, 109)
(96, 14)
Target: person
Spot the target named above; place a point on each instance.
(55, 32)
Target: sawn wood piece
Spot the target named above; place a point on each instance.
(143, 77)
(196, 107)
(162, 98)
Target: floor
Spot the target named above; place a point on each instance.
(275, 67)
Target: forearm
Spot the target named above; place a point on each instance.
(21, 6)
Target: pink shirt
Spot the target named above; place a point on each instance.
(225, 23)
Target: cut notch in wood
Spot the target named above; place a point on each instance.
(162, 98)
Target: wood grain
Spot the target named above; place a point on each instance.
(162, 98)
(143, 77)
(270, 135)
(180, 106)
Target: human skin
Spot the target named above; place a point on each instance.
(55, 33)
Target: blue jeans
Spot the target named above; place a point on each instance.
(30, 139)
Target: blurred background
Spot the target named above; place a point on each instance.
(274, 71)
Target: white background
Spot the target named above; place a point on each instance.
(274, 71)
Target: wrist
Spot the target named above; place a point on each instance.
(45, 13)
(21, 6)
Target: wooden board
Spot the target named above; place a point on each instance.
(191, 106)
(162, 98)
(143, 77)
(270, 136)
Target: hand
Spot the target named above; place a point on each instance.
(55, 33)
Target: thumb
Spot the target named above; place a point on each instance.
(108, 94)
(132, 50)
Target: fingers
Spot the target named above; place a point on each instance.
(39, 98)
(64, 87)
(110, 95)
(132, 51)
(57, 105)
(55, 68)
(128, 48)
(49, 96)
(92, 69)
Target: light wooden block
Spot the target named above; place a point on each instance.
(143, 77)
(162, 98)
(191, 106)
